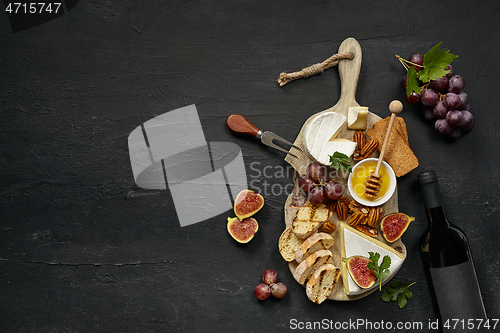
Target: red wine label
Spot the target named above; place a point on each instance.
(458, 297)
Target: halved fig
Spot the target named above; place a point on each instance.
(394, 225)
(359, 271)
(247, 203)
(242, 230)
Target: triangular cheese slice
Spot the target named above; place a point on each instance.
(318, 133)
(357, 117)
(355, 243)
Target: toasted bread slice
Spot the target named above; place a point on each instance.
(309, 218)
(307, 267)
(321, 283)
(313, 243)
(288, 244)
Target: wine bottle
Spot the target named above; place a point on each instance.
(449, 267)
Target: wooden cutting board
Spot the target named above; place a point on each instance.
(349, 74)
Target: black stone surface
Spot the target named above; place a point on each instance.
(83, 249)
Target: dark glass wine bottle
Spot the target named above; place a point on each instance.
(448, 260)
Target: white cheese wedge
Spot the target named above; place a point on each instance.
(320, 131)
(355, 243)
(357, 117)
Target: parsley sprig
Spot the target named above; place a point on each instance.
(340, 160)
(381, 271)
(434, 66)
(400, 291)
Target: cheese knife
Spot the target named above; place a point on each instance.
(239, 124)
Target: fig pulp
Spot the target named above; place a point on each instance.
(247, 203)
(359, 271)
(242, 230)
(394, 225)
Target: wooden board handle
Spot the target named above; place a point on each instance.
(349, 71)
(239, 124)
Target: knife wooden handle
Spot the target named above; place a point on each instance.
(239, 124)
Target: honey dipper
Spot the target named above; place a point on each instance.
(372, 183)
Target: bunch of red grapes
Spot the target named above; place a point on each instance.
(319, 185)
(445, 103)
(271, 286)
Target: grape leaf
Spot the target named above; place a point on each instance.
(400, 291)
(435, 62)
(412, 83)
(340, 160)
(382, 271)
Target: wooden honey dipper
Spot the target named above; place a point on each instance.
(372, 183)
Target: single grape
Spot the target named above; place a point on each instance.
(455, 118)
(429, 113)
(413, 98)
(404, 81)
(464, 100)
(455, 133)
(456, 84)
(442, 126)
(305, 183)
(317, 195)
(465, 107)
(468, 121)
(262, 291)
(440, 110)
(451, 100)
(316, 172)
(439, 84)
(270, 276)
(450, 73)
(334, 190)
(429, 97)
(417, 58)
(279, 290)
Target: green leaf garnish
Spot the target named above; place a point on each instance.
(434, 63)
(412, 84)
(381, 271)
(433, 67)
(401, 289)
(340, 160)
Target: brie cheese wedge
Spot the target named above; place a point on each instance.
(357, 117)
(355, 243)
(320, 137)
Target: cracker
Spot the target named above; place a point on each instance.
(398, 153)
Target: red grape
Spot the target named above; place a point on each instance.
(455, 118)
(429, 97)
(413, 98)
(450, 73)
(455, 133)
(464, 100)
(262, 291)
(305, 183)
(334, 190)
(317, 195)
(315, 172)
(451, 100)
(429, 113)
(270, 276)
(279, 290)
(442, 126)
(439, 84)
(417, 58)
(404, 81)
(440, 110)
(468, 121)
(456, 84)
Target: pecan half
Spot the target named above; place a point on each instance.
(328, 227)
(360, 139)
(369, 148)
(355, 218)
(342, 209)
(367, 230)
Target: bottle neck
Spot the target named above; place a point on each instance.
(433, 204)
